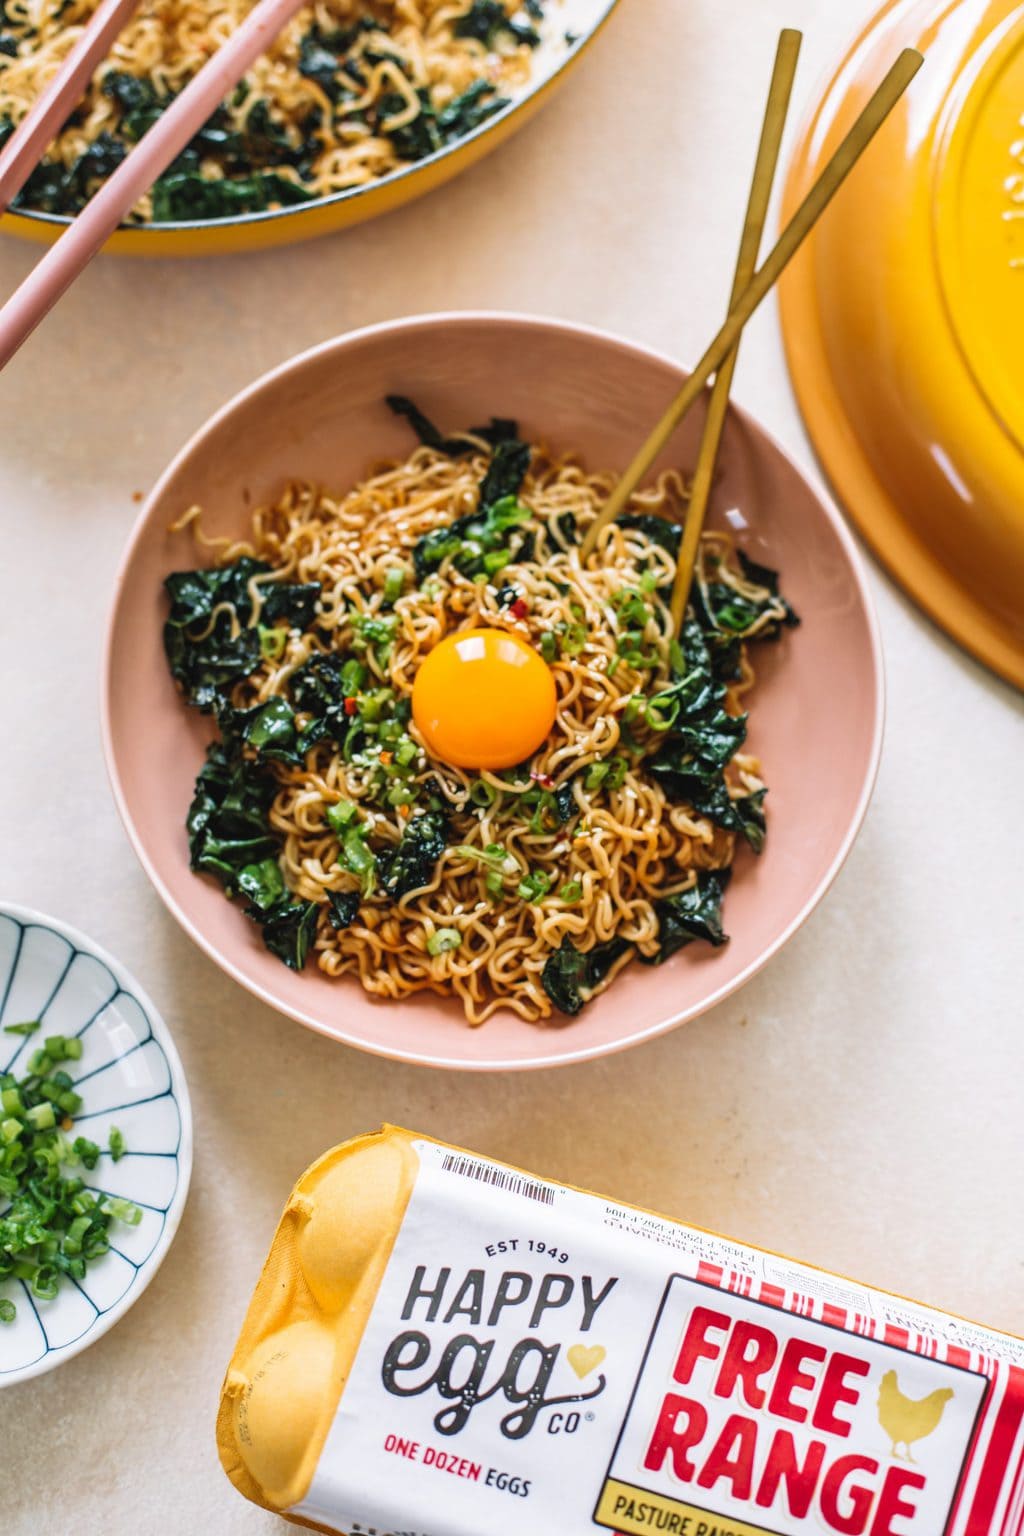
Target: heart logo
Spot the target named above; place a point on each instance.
(585, 1358)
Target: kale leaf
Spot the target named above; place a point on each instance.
(227, 822)
(487, 20)
(694, 914)
(659, 530)
(697, 748)
(207, 666)
(185, 196)
(570, 975)
(505, 473)
(500, 429)
(230, 837)
(482, 541)
(342, 908)
(727, 617)
(320, 688)
(466, 112)
(289, 928)
(410, 865)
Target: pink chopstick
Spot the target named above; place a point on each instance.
(59, 267)
(43, 121)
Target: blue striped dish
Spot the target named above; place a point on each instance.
(129, 1075)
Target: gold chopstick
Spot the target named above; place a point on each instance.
(772, 129)
(782, 253)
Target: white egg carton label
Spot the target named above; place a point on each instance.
(538, 1360)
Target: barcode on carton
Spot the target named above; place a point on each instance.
(500, 1178)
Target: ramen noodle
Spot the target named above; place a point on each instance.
(441, 1345)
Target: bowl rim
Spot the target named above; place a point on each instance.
(403, 172)
(450, 1062)
(32, 917)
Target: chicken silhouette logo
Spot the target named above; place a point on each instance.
(905, 1420)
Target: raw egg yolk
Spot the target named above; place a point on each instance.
(483, 699)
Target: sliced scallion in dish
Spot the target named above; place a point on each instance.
(53, 1227)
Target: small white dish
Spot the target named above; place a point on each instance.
(129, 1075)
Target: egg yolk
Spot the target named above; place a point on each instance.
(483, 699)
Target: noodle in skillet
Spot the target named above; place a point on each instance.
(544, 880)
(349, 91)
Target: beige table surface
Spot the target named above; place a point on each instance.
(859, 1104)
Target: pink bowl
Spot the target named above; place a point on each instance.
(816, 715)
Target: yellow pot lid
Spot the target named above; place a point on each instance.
(904, 316)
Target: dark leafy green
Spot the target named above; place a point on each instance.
(658, 530)
(321, 686)
(227, 823)
(570, 975)
(499, 430)
(696, 914)
(185, 196)
(342, 907)
(206, 659)
(505, 473)
(411, 865)
(230, 838)
(695, 751)
(289, 928)
(488, 21)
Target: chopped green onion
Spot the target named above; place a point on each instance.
(481, 793)
(341, 815)
(116, 1143)
(596, 775)
(87, 1152)
(493, 855)
(634, 704)
(617, 773)
(394, 581)
(125, 1211)
(534, 886)
(401, 794)
(571, 892)
(662, 711)
(29, 1028)
(443, 940)
(573, 639)
(272, 642)
(495, 560)
(52, 1225)
(352, 677)
(358, 859)
(548, 647)
(406, 752)
(494, 882)
(372, 705)
(677, 660)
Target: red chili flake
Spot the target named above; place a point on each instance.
(351, 707)
(519, 608)
(543, 779)
(386, 757)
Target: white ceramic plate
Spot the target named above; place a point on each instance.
(130, 1076)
